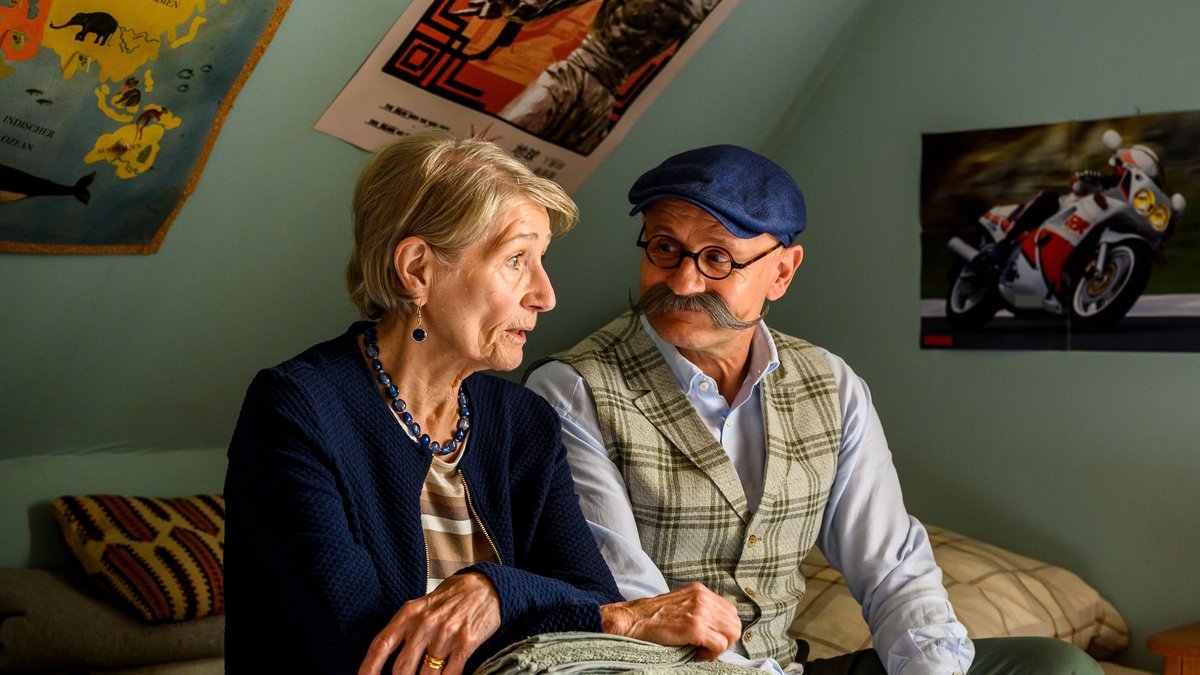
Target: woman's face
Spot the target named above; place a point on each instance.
(483, 307)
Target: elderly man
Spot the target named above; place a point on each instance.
(709, 448)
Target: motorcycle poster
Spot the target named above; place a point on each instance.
(108, 110)
(1068, 236)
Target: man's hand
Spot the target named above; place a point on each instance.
(448, 625)
(689, 615)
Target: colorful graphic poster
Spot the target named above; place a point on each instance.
(108, 109)
(1072, 236)
(556, 82)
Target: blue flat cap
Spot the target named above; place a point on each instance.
(748, 193)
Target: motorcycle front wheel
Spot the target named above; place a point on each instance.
(1100, 298)
(973, 299)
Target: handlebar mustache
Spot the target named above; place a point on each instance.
(659, 298)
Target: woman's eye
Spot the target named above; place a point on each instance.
(666, 247)
(517, 261)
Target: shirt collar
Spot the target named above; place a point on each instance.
(764, 358)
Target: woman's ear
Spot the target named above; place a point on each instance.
(413, 262)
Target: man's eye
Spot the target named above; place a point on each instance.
(717, 256)
(668, 247)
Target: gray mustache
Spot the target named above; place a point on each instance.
(661, 299)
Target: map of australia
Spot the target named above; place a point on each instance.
(106, 112)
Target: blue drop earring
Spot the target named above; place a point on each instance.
(419, 333)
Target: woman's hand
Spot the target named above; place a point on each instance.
(448, 625)
(689, 615)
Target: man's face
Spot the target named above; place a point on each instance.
(745, 291)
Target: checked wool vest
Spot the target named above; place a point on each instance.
(690, 508)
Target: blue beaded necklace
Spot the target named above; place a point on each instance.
(401, 408)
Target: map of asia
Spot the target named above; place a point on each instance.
(108, 109)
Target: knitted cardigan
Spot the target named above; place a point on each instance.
(323, 536)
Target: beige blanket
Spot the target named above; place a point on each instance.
(51, 622)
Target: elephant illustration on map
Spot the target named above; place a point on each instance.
(100, 23)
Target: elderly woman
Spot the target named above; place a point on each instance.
(391, 508)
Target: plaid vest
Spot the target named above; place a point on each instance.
(691, 511)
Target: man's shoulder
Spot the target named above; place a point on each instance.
(808, 366)
(792, 348)
(783, 340)
(607, 337)
(595, 346)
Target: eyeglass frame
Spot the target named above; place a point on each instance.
(695, 255)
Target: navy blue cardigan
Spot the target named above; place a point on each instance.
(323, 534)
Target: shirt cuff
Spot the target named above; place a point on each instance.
(939, 649)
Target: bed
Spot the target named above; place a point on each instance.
(59, 622)
(995, 593)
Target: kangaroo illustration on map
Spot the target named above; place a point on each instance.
(151, 115)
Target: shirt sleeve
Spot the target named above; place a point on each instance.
(598, 482)
(883, 552)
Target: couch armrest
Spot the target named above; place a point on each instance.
(52, 621)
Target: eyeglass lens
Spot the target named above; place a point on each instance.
(713, 262)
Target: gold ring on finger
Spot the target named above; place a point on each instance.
(433, 663)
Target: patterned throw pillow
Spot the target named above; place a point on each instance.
(162, 558)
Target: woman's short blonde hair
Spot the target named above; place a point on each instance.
(449, 193)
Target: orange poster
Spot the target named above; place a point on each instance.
(556, 82)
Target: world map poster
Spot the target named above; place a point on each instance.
(108, 109)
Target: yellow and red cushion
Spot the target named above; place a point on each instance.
(162, 558)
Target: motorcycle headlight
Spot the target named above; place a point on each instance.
(1143, 201)
(1159, 216)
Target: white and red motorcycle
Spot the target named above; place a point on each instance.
(1085, 255)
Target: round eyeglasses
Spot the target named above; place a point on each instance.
(713, 262)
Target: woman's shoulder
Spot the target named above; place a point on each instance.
(510, 408)
(517, 427)
(499, 392)
(337, 352)
(317, 391)
(323, 367)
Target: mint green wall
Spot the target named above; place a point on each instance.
(126, 371)
(1086, 459)
(115, 368)
(130, 352)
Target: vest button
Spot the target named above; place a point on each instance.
(752, 540)
(750, 592)
(748, 635)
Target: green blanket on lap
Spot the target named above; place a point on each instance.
(576, 653)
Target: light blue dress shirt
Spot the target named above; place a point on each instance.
(866, 532)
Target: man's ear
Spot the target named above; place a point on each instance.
(413, 262)
(785, 270)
